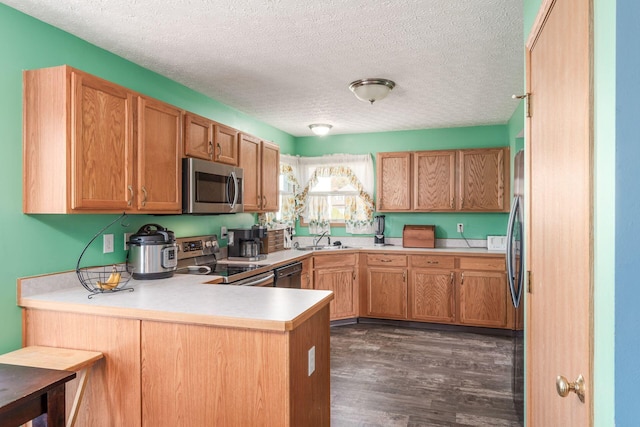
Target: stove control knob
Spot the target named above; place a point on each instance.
(208, 243)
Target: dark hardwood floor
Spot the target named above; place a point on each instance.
(394, 376)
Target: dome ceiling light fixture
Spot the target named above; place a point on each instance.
(320, 129)
(371, 90)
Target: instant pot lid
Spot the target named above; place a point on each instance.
(151, 234)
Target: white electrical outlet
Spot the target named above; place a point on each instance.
(126, 239)
(223, 232)
(107, 243)
(460, 227)
(312, 360)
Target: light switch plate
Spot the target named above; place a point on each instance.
(312, 360)
(496, 243)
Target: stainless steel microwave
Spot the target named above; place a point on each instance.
(211, 188)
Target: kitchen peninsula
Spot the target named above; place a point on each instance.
(180, 352)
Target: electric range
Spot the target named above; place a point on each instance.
(197, 255)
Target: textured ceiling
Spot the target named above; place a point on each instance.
(289, 62)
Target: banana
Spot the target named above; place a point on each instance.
(112, 281)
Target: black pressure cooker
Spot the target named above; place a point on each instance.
(153, 253)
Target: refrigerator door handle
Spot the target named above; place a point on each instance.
(509, 251)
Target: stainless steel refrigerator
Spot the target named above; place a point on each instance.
(515, 274)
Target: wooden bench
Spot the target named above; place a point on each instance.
(64, 359)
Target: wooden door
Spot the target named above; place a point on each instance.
(102, 145)
(159, 165)
(249, 161)
(434, 180)
(387, 293)
(340, 280)
(432, 295)
(270, 176)
(226, 145)
(483, 183)
(483, 299)
(393, 186)
(198, 137)
(559, 327)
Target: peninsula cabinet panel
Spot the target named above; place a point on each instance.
(434, 180)
(386, 293)
(484, 300)
(159, 160)
(112, 396)
(432, 295)
(393, 174)
(483, 180)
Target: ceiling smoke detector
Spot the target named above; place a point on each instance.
(371, 90)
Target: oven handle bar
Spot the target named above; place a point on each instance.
(257, 282)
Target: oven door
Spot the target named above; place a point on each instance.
(264, 279)
(209, 187)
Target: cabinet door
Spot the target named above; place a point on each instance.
(226, 145)
(387, 293)
(393, 187)
(434, 180)
(159, 164)
(483, 180)
(432, 295)
(341, 281)
(198, 137)
(484, 299)
(270, 175)
(102, 145)
(249, 160)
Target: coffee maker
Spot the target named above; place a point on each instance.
(245, 244)
(378, 229)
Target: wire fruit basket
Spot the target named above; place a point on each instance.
(105, 279)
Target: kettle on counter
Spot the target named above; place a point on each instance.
(153, 253)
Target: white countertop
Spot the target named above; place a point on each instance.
(183, 298)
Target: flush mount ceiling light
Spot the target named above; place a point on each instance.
(371, 90)
(320, 129)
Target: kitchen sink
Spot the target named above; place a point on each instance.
(319, 248)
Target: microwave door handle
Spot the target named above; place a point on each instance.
(233, 177)
(509, 251)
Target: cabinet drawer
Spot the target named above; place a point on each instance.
(387, 260)
(480, 263)
(337, 260)
(432, 261)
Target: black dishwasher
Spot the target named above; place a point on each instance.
(288, 276)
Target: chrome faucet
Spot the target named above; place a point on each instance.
(317, 239)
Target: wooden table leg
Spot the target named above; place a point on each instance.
(56, 407)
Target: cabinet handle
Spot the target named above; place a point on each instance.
(354, 276)
(462, 202)
(264, 201)
(219, 150)
(130, 201)
(452, 278)
(404, 276)
(144, 199)
(385, 260)
(462, 280)
(452, 200)
(211, 149)
(433, 262)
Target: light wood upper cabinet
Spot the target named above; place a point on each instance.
(483, 179)
(475, 180)
(261, 163)
(198, 137)
(434, 180)
(226, 144)
(270, 170)
(80, 155)
(393, 172)
(159, 166)
(208, 140)
(101, 141)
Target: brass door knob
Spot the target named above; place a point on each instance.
(564, 387)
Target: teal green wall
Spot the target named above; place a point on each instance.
(604, 386)
(476, 225)
(36, 244)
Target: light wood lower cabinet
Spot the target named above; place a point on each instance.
(432, 295)
(484, 301)
(306, 276)
(338, 273)
(385, 293)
